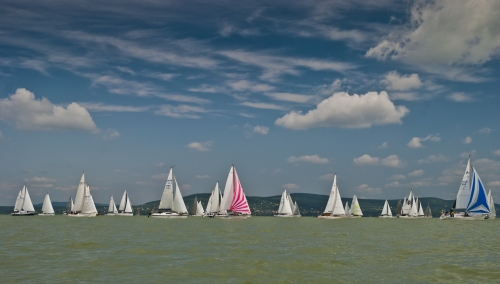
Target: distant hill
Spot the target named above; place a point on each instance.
(309, 204)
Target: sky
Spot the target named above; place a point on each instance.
(389, 95)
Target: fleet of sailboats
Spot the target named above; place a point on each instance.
(171, 202)
(47, 209)
(23, 206)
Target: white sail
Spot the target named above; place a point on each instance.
(27, 204)
(386, 211)
(179, 205)
(331, 198)
(69, 205)
(356, 210)
(199, 209)
(291, 202)
(227, 198)
(88, 204)
(493, 212)
(420, 211)
(47, 205)
(214, 207)
(112, 206)
(209, 204)
(296, 210)
(80, 195)
(347, 209)
(128, 206)
(285, 208)
(334, 205)
(464, 191)
(407, 204)
(413, 210)
(123, 202)
(19, 200)
(167, 198)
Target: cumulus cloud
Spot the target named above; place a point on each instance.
(445, 36)
(41, 180)
(485, 130)
(497, 152)
(396, 82)
(383, 145)
(26, 112)
(314, 159)
(200, 146)
(101, 107)
(366, 160)
(110, 134)
(370, 190)
(290, 186)
(392, 161)
(327, 177)
(343, 110)
(468, 140)
(416, 173)
(261, 129)
(433, 159)
(416, 142)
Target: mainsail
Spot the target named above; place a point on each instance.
(493, 211)
(179, 205)
(215, 200)
(428, 212)
(420, 211)
(171, 199)
(399, 208)
(88, 204)
(80, 195)
(356, 210)
(47, 205)
(112, 206)
(125, 206)
(70, 205)
(464, 192)
(386, 211)
(296, 211)
(285, 208)
(414, 208)
(19, 200)
(26, 205)
(346, 209)
(478, 202)
(234, 198)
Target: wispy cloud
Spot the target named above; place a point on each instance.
(314, 159)
(200, 146)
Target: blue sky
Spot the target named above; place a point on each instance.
(390, 95)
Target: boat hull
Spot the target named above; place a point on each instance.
(109, 214)
(352, 216)
(23, 214)
(81, 215)
(124, 214)
(46, 214)
(168, 215)
(462, 217)
(333, 217)
(411, 217)
(284, 216)
(386, 216)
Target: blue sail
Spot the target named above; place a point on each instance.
(478, 201)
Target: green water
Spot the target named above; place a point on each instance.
(257, 250)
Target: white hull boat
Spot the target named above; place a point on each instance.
(23, 213)
(386, 216)
(46, 214)
(285, 216)
(172, 215)
(125, 214)
(333, 217)
(462, 217)
(286, 206)
(234, 204)
(171, 203)
(82, 214)
(84, 203)
(23, 206)
(334, 209)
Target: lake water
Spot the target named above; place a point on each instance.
(257, 250)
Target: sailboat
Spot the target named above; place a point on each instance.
(125, 208)
(471, 198)
(386, 211)
(84, 203)
(493, 211)
(296, 211)
(214, 203)
(421, 213)
(69, 206)
(410, 207)
(112, 208)
(47, 209)
(334, 209)
(428, 212)
(199, 209)
(171, 203)
(347, 209)
(285, 209)
(23, 206)
(355, 211)
(234, 201)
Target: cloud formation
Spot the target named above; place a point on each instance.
(314, 159)
(396, 82)
(261, 129)
(26, 112)
(200, 146)
(389, 161)
(416, 142)
(346, 111)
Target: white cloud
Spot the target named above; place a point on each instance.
(416, 142)
(290, 186)
(467, 154)
(383, 145)
(97, 107)
(261, 129)
(26, 112)
(181, 111)
(460, 97)
(327, 177)
(334, 87)
(288, 97)
(433, 159)
(444, 36)
(397, 177)
(468, 140)
(485, 130)
(245, 85)
(41, 179)
(67, 188)
(370, 190)
(315, 159)
(497, 152)
(343, 110)
(262, 105)
(200, 146)
(162, 176)
(202, 176)
(416, 173)
(394, 184)
(366, 160)
(392, 161)
(394, 81)
(110, 134)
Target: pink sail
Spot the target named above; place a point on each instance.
(239, 202)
